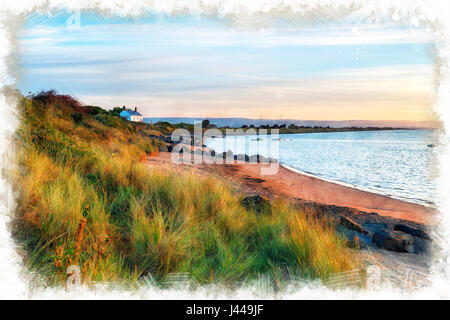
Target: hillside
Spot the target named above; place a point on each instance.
(86, 198)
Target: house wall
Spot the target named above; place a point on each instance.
(133, 118)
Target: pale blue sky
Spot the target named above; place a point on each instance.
(194, 66)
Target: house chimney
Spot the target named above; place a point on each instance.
(135, 109)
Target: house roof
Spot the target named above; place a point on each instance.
(128, 112)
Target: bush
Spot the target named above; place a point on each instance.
(77, 118)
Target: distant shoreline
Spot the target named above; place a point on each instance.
(324, 130)
(337, 124)
(281, 129)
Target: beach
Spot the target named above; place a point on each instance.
(359, 207)
(289, 184)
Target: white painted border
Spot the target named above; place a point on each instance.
(245, 14)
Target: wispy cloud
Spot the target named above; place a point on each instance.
(223, 37)
(344, 72)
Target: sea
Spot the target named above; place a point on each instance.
(396, 163)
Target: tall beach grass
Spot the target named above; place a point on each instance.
(86, 198)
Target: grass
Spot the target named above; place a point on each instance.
(87, 198)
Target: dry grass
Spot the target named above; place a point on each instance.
(86, 198)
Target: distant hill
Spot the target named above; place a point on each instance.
(238, 122)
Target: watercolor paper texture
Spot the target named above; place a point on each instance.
(224, 149)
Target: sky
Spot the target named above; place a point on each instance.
(205, 67)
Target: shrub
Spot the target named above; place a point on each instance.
(77, 118)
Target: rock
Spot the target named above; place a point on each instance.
(394, 241)
(412, 231)
(166, 148)
(243, 157)
(227, 155)
(371, 228)
(253, 158)
(262, 159)
(421, 245)
(164, 138)
(356, 239)
(256, 203)
(162, 148)
(352, 225)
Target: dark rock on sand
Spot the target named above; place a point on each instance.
(166, 148)
(253, 159)
(256, 203)
(245, 157)
(351, 225)
(227, 155)
(241, 157)
(256, 158)
(372, 228)
(163, 148)
(263, 159)
(412, 231)
(356, 239)
(394, 241)
(167, 139)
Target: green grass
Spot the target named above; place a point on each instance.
(142, 222)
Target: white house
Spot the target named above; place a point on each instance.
(131, 115)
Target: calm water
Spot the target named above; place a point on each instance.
(397, 163)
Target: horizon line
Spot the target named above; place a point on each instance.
(296, 119)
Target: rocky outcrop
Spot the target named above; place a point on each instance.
(351, 225)
(372, 228)
(356, 240)
(412, 231)
(394, 241)
(227, 155)
(241, 157)
(364, 230)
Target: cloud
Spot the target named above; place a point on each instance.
(398, 93)
(220, 36)
(187, 69)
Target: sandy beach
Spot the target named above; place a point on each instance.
(289, 184)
